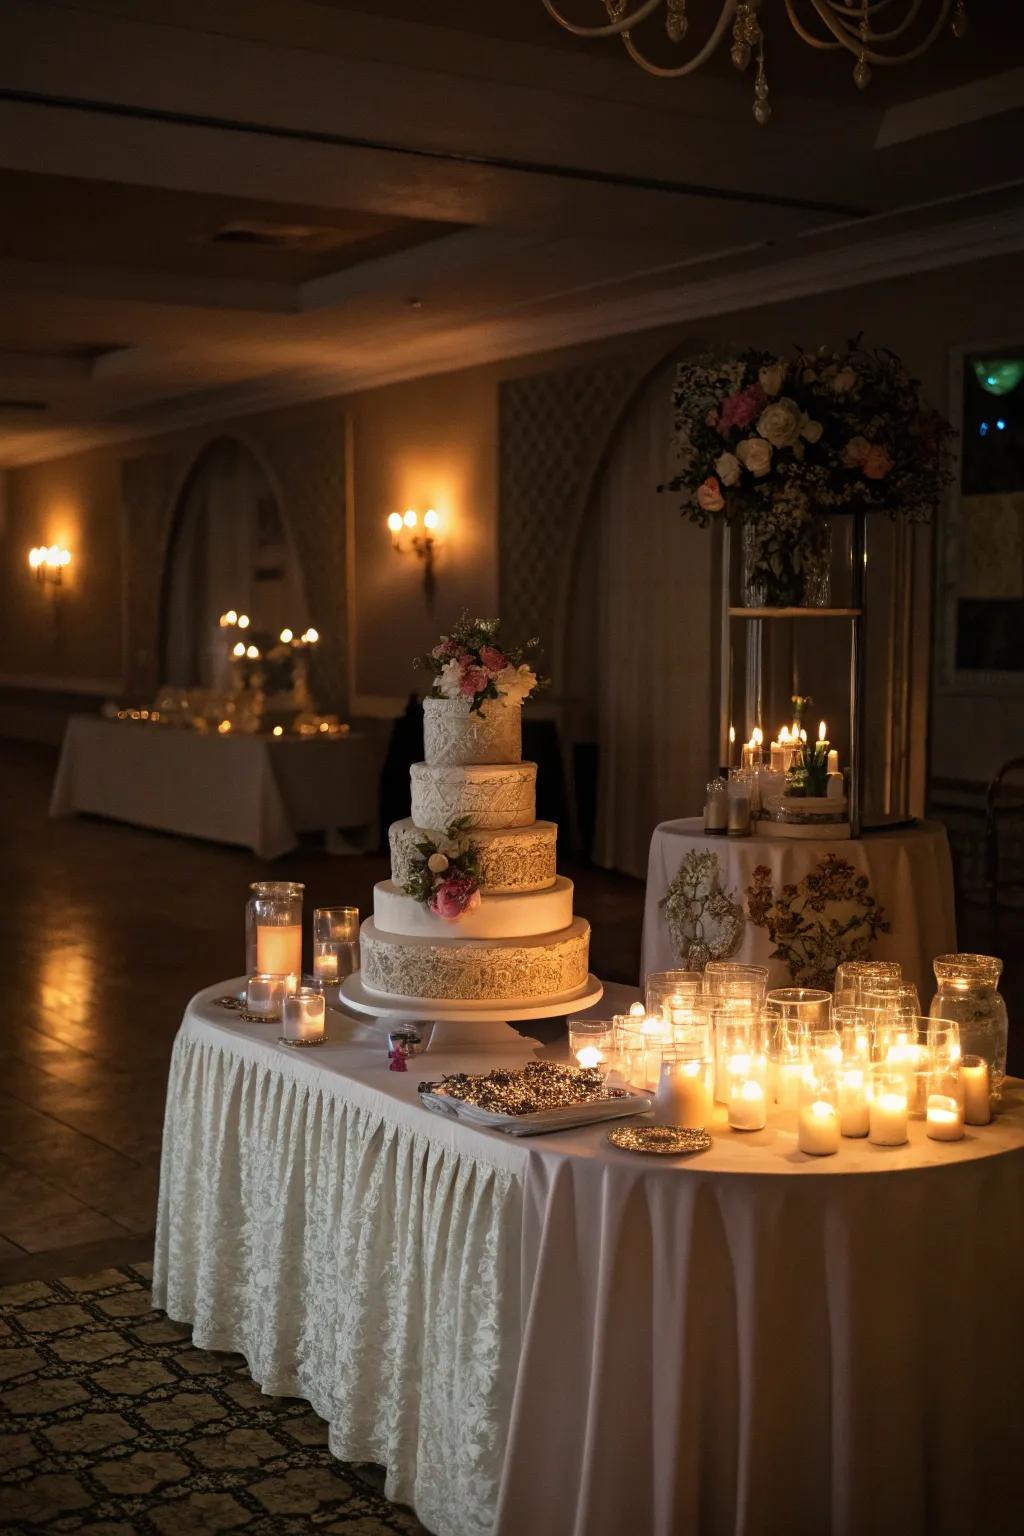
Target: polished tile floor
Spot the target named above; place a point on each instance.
(106, 931)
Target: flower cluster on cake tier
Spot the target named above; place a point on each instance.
(474, 909)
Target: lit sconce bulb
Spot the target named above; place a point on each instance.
(286, 637)
(430, 519)
(53, 556)
(822, 732)
(224, 727)
(36, 558)
(65, 557)
(395, 522)
(757, 736)
(278, 730)
(410, 519)
(732, 735)
(243, 621)
(324, 725)
(231, 617)
(311, 636)
(637, 1010)
(784, 736)
(252, 652)
(238, 649)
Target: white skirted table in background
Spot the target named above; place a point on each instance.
(886, 896)
(257, 791)
(555, 1337)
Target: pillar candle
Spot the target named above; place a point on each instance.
(747, 1110)
(279, 948)
(787, 1084)
(943, 1120)
(303, 1015)
(977, 1110)
(818, 1128)
(325, 962)
(887, 1119)
(833, 761)
(853, 1103)
(739, 816)
(682, 1097)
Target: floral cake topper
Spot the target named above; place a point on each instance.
(445, 873)
(471, 663)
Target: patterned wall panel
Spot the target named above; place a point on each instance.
(302, 449)
(554, 429)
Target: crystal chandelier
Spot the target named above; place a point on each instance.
(873, 31)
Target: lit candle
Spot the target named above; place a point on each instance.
(739, 814)
(682, 1096)
(787, 1084)
(887, 1119)
(853, 1103)
(265, 995)
(657, 1033)
(325, 962)
(974, 1077)
(637, 1010)
(833, 761)
(747, 1111)
(943, 1121)
(818, 1128)
(279, 948)
(303, 1015)
(590, 1056)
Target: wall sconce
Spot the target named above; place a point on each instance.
(48, 563)
(405, 536)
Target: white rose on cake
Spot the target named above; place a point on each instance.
(449, 680)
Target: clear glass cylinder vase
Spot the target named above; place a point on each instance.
(273, 928)
(787, 568)
(968, 995)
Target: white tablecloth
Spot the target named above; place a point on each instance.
(559, 1339)
(258, 791)
(908, 872)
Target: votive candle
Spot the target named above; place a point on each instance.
(325, 961)
(279, 948)
(974, 1076)
(943, 1118)
(818, 1128)
(747, 1105)
(303, 1015)
(887, 1112)
(265, 995)
(853, 1102)
(682, 1096)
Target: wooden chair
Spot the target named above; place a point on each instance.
(1004, 807)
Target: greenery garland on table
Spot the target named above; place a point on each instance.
(775, 444)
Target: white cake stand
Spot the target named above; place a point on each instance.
(466, 1026)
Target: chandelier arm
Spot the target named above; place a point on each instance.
(853, 44)
(802, 32)
(613, 29)
(870, 36)
(728, 11)
(860, 10)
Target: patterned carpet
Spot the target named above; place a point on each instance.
(112, 1424)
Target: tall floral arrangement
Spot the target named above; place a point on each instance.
(777, 443)
(472, 663)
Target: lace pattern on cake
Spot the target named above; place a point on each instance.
(502, 798)
(520, 859)
(454, 734)
(472, 971)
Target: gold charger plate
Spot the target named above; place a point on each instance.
(659, 1140)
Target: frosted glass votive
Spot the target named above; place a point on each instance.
(304, 1015)
(265, 994)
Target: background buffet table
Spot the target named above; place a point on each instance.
(557, 1337)
(908, 874)
(257, 791)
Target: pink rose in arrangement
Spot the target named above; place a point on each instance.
(709, 495)
(454, 896)
(740, 409)
(474, 680)
(493, 659)
(445, 649)
(877, 462)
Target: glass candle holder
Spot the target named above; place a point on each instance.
(592, 1044)
(657, 1033)
(727, 978)
(335, 943)
(787, 1049)
(671, 992)
(265, 994)
(737, 1037)
(818, 1116)
(304, 1014)
(855, 1034)
(857, 974)
(891, 1000)
(852, 1096)
(716, 807)
(888, 1110)
(747, 1094)
(974, 1082)
(273, 928)
(630, 1049)
(968, 993)
(807, 1006)
(739, 793)
(944, 1109)
(683, 1096)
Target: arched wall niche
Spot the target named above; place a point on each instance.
(302, 451)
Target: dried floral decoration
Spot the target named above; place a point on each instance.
(830, 916)
(704, 921)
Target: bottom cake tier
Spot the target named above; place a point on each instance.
(511, 971)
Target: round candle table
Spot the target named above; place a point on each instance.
(553, 1336)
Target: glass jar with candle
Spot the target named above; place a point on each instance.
(739, 803)
(852, 1087)
(910, 1047)
(592, 1043)
(944, 1108)
(265, 995)
(969, 995)
(737, 1037)
(807, 1006)
(887, 1108)
(335, 943)
(855, 974)
(630, 1046)
(729, 978)
(671, 992)
(716, 808)
(684, 1093)
(786, 1047)
(273, 928)
(747, 1091)
(303, 1016)
(818, 1116)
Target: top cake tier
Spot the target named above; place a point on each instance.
(453, 734)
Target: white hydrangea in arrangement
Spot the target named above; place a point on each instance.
(472, 664)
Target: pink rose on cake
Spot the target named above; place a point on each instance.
(494, 660)
(474, 680)
(454, 896)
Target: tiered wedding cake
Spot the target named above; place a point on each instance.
(474, 909)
